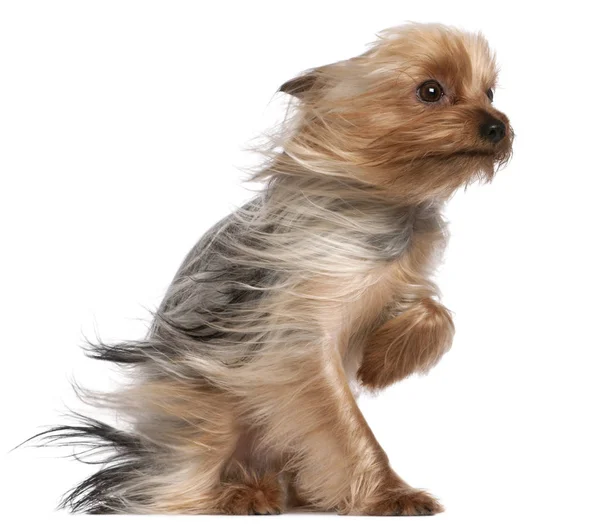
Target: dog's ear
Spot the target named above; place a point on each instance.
(310, 81)
(298, 86)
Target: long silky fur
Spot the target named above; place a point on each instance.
(240, 320)
(121, 454)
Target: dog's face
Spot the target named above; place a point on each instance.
(413, 115)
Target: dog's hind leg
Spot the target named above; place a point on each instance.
(246, 491)
(251, 482)
(190, 431)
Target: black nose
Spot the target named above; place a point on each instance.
(492, 130)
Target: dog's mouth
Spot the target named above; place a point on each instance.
(469, 153)
(475, 154)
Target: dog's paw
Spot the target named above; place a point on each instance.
(259, 496)
(407, 502)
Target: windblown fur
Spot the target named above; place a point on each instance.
(241, 397)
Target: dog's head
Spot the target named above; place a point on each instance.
(413, 115)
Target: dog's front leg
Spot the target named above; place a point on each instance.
(413, 341)
(337, 462)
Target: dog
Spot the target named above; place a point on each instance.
(242, 396)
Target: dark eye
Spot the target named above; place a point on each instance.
(490, 94)
(430, 91)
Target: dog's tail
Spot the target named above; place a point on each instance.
(122, 456)
(115, 488)
(174, 418)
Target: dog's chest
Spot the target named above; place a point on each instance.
(378, 295)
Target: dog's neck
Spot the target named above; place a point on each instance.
(347, 212)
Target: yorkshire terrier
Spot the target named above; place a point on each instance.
(242, 394)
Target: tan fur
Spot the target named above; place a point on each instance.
(413, 341)
(243, 399)
(249, 493)
(362, 117)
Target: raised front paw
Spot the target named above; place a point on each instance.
(412, 342)
(407, 502)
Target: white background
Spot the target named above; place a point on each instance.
(122, 129)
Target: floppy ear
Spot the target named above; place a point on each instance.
(298, 86)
